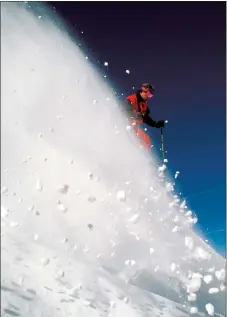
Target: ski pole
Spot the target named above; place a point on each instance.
(162, 145)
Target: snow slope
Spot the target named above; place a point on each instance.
(89, 226)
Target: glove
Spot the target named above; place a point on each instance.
(160, 124)
(139, 116)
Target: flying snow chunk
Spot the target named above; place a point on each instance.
(61, 274)
(175, 229)
(112, 304)
(4, 212)
(39, 185)
(106, 64)
(4, 190)
(194, 285)
(95, 102)
(182, 206)
(169, 187)
(45, 261)
(91, 199)
(176, 174)
(165, 161)
(200, 253)
(127, 71)
(192, 297)
(193, 310)
(173, 267)
(222, 287)
(220, 275)
(151, 250)
(189, 242)
(208, 278)
(14, 224)
(121, 195)
(134, 219)
(213, 290)
(162, 168)
(210, 309)
(61, 207)
(63, 189)
(188, 213)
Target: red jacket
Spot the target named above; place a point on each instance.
(135, 104)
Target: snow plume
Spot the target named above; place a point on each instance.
(89, 226)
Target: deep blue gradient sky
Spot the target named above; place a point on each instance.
(179, 47)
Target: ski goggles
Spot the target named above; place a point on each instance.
(149, 89)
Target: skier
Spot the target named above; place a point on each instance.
(136, 107)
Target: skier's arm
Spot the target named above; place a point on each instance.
(148, 120)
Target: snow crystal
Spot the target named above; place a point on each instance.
(193, 310)
(210, 309)
(207, 279)
(121, 195)
(220, 275)
(127, 71)
(134, 219)
(213, 290)
(192, 297)
(189, 242)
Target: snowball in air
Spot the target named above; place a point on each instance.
(207, 279)
(192, 297)
(127, 71)
(194, 310)
(210, 309)
(121, 195)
